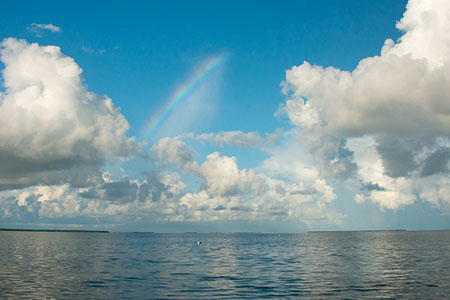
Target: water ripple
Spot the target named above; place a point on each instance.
(225, 266)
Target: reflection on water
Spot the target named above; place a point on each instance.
(140, 265)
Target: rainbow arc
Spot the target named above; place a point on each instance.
(208, 67)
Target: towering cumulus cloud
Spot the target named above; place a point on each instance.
(52, 130)
(393, 108)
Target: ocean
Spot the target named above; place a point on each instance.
(378, 264)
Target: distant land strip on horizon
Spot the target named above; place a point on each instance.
(54, 230)
(365, 230)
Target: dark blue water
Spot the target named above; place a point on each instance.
(139, 265)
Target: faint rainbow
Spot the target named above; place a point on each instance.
(208, 67)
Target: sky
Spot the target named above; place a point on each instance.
(254, 116)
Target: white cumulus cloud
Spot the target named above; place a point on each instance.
(53, 130)
(173, 150)
(400, 100)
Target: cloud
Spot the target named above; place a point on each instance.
(157, 196)
(384, 127)
(118, 191)
(359, 198)
(387, 94)
(40, 29)
(225, 193)
(230, 193)
(222, 176)
(395, 192)
(235, 138)
(398, 101)
(291, 160)
(173, 150)
(436, 190)
(90, 50)
(404, 90)
(310, 191)
(437, 162)
(52, 129)
(273, 137)
(369, 186)
(398, 154)
(286, 186)
(249, 140)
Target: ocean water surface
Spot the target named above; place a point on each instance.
(384, 264)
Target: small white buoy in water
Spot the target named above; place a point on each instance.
(198, 243)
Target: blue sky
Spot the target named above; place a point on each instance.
(150, 47)
(306, 124)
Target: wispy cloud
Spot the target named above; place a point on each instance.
(235, 138)
(91, 50)
(41, 29)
